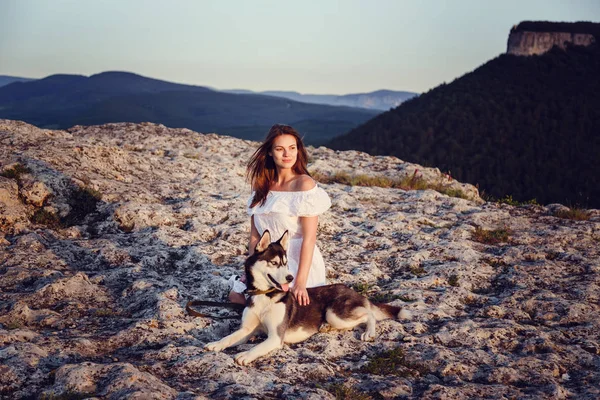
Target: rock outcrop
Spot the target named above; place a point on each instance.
(108, 230)
(537, 37)
(524, 43)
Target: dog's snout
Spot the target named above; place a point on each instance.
(289, 278)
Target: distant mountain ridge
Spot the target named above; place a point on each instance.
(61, 101)
(377, 100)
(522, 126)
(5, 79)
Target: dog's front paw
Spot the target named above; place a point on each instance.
(244, 358)
(214, 346)
(367, 336)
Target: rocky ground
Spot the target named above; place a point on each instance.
(107, 231)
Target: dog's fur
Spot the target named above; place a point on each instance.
(279, 315)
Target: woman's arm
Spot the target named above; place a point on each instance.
(308, 226)
(254, 237)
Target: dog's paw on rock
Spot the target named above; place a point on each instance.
(368, 336)
(243, 358)
(214, 346)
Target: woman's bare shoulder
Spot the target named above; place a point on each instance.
(303, 183)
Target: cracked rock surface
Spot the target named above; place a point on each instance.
(107, 231)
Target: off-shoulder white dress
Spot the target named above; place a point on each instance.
(282, 211)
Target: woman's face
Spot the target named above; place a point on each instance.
(284, 151)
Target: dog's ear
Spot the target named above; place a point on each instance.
(284, 240)
(263, 243)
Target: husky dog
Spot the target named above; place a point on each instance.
(272, 309)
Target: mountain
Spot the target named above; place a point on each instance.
(5, 79)
(526, 126)
(378, 100)
(61, 101)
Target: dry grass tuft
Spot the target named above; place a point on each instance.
(575, 214)
(493, 237)
(414, 182)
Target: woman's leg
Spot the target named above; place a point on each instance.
(238, 298)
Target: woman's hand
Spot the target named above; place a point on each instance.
(301, 295)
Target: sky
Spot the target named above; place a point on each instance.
(320, 46)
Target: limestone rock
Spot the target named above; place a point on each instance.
(35, 192)
(13, 213)
(120, 380)
(153, 216)
(524, 43)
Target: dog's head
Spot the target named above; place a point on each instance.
(267, 267)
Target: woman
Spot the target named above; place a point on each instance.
(285, 197)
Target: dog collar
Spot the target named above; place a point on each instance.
(258, 292)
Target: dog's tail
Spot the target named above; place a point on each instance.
(386, 311)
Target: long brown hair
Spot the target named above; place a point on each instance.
(261, 169)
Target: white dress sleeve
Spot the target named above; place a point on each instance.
(298, 204)
(310, 203)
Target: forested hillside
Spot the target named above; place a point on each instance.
(522, 126)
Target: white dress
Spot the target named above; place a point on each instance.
(281, 212)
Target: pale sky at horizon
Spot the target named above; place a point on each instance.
(325, 46)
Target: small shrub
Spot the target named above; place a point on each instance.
(13, 325)
(104, 312)
(65, 396)
(343, 392)
(491, 237)
(552, 255)
(451, 192)
(495, 263)
(127, 227)
(362, 288)
(468, 301)
(417, 270)
(382, 297)
(83, 201)
(576, 214)
(45, 217)
(391, 362)
(508, 199)
(15, 172)
(91, 192)
(453, 280)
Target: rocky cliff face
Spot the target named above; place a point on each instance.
(524, 43)
(504, 300)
